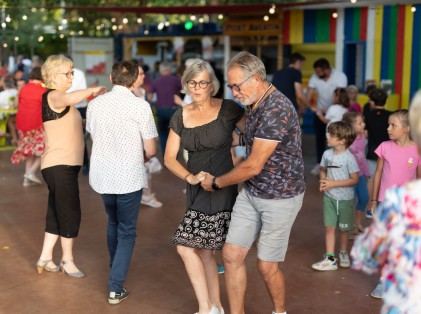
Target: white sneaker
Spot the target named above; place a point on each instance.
(378, 291)
(316, 170)
(151, 201)
(33, 178)
(344, 259)
(325, 265)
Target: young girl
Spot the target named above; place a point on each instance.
(398, 163)
(392, 242)
(336, 111)
(354, 106)
(358, 149)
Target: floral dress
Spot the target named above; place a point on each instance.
(392, 244)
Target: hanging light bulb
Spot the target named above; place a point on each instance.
(266, 18)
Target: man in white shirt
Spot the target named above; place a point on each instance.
(124, 135)
(324, 81)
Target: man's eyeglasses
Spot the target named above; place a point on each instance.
(202, 84)
(68, 74)
(237, 87)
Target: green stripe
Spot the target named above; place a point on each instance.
(356, 24)
(392, 42)
(322, 26)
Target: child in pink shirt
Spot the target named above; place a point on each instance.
(352, 92)
(358, 149)
(398, 163)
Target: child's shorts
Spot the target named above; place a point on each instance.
(338, 213)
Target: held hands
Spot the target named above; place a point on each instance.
(207, 182)
(98, 90)
(196, 179)
(326, 184)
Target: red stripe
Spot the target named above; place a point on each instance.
(399, 49)
(332, 35)
(363, 25)
(285, 39)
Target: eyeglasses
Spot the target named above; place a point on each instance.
(68, 74)
(236, 87)
(202, 84)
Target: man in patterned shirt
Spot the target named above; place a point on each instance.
(273, 176)
(124, 134)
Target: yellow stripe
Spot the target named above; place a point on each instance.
(378, 43)
(407, 57)
(296, 24)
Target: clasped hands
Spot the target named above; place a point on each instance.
(204, 178)
(326, 184)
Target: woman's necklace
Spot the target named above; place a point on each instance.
(257, 103)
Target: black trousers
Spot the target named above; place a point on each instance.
(63, 213)
(320, 130)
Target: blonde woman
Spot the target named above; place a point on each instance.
(61, 162)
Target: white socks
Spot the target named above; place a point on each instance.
(280, 313)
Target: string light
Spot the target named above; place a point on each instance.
(8, 19)
(193, 18)
(61, 36)
(4, 45)
(16, 38)
(220, 16)
(413, 9)
(353, 1)
(125, 20)
(80, 19)
(335, 15)
(201, 20)
(266, 18)
(40, 38)
(24, 17)
(139, 20)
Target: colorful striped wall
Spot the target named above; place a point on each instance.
(397, 40)
(309, 26)
(397, 49)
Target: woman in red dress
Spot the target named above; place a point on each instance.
(30, 128)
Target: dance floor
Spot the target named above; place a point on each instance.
(157, 280)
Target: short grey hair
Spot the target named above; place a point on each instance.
(165, 66)
(249, 64)
(194, 70)
(415, 118)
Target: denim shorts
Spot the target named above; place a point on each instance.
(270, 220)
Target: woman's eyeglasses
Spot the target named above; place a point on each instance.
(68, 74)
(202, 84)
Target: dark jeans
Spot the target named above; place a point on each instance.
(63, 213)
(123, 211)
(164, 116)
(320, 130)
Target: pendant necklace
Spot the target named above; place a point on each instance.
(257, 103)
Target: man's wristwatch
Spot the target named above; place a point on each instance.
(215, 186)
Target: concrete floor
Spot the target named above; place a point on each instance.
(157, 280)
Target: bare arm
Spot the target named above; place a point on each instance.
(59, 100)
(260, 153)
(171, 162)
(303, 102)
(376, 184)
(149, 147)
(326, 184)
(418, 172)
(241, 124)
(309, 95)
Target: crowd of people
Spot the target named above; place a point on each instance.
(369, 168)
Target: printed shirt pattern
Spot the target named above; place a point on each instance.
(283, 173)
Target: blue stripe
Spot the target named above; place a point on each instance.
(384, 66)
(349, 21)
(416, 52)
(309, 26)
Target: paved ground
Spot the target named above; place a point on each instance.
(157, 280)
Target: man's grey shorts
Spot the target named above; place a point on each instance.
(270, 220)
